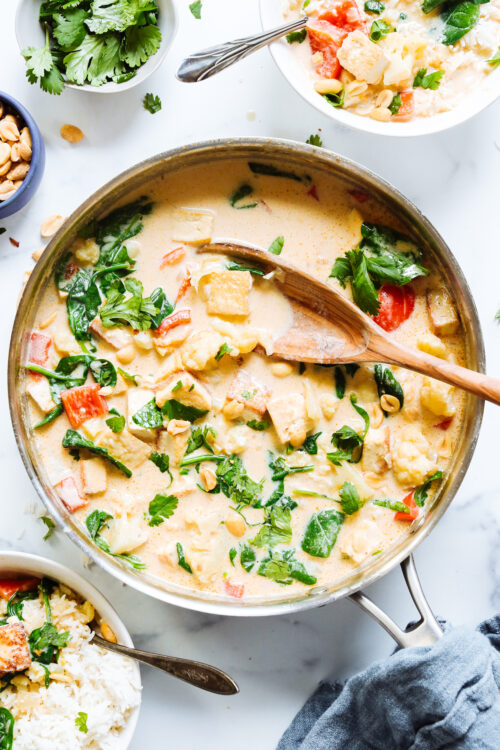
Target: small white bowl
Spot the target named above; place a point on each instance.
(271, 14)
(29, 33)
(22, 562)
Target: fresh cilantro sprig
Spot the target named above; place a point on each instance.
(152, 103)
(425, 80)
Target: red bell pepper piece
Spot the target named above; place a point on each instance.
(360, 196)
(172, 257)
(177, 318)
(83, 402)
(405, 111)
(38, 350)
(444, 424)
(185, 284)
(327, 39)
(68, 491)
(11, 586)
(345, 14)
(409, 500)
(234, 589)
(396, 306)
(313, 192)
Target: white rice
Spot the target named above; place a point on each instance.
(105, 686)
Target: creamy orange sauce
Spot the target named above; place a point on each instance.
(401, 450)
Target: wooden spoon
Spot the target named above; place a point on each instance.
(328, 328)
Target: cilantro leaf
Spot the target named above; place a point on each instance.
(111, 15)
(258, 424)
(235, 482)
(182, 559)
(426, 80)
(95, 523)
(195, 9)
(379, 30)
(349, 499)
(310, 444)
(116, 423)
(161, 508)
(347, 441)
(283, 567)
(141, 42)
(374, 6)
(38, 60)
(69, 29)
(315, 140)
(81, 722)
(162, 461)
(421, 492)
(276, 528)
(199, 439)
(134, 310)
(152, 103)
(395, 104)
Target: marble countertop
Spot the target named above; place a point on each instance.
(453, 178)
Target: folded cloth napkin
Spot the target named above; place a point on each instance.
(441, 696)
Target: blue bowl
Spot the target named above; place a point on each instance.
(25, 193)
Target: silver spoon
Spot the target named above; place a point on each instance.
(194, 672)
(210, 61)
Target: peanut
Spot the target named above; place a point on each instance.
(126, 355)
(6, 168)
(177, 426)
(208, 477)
(8, 129)
(51, 225)
(389, 403)
(7, 190)
(5, 153)
(18, 172)
(328, 86)
(281, 369)
(233, 409)
(382, 114)
(25, 137)
(235, 525)
(71, 133)
(107, 633)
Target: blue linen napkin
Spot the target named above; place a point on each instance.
(441, 696)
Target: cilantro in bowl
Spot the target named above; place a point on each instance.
(92, 42)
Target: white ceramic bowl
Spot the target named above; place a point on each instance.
(29, 33)
(22, 562)
(271, 13)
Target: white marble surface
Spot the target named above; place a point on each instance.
(453, 178)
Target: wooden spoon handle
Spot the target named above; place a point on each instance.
(481, 385)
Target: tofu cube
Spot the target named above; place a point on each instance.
(65, 344)
(68, 491)
(398, 72)
(118, 338)
(39, 391)
(376, 455)
(93, 475)
(123, 445)
(442, 312)
(228, 293)
(125, 535)
(362, 57)
(194, 226)
(431, 344)
(289, 416)
(182, 387)
(136, 399)
(437, 398)
(247, 390)
(14, 650)
(173, 445)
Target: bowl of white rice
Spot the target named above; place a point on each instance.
(61, 692)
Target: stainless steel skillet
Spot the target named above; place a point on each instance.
(299, 158)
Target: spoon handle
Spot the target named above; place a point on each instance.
(194, 672)
(210, 61)
(484, 386)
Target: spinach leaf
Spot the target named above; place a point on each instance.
(232, 555)
(98, 520)
(161, 508)
(387, 383)
(458, 20)
(259, 424)
(336, 100)
(117, 227)
(56, 412)
(135, 310)
(426, 80)
(247, 557)
(340, 382)
(429, 5)
(349, 499)
(296, 36)
(149, 416)
(422, 492)
(46, 642)
(396, 505)
(395, 104)
(236, 484)
(251, 269)
(270, 170)
(164, 307)
(199, 439)
(310, 444)
(6, 729)
(103, 371)
(242, 192)
(181, 558)
(379, 30)
(283, 568)
(276, 528)
(348, 442)
(276, 245)
(127, 376)
(374, 6)
(175, 410)
(321, 533)
(162, 461)
(73, 439)
(82, 303)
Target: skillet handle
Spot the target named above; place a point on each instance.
(423, 633)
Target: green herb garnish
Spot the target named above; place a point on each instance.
(425, 80)
(161, 508)
(152, 103)
(73, 439)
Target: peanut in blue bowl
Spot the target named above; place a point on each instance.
(30, 183)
